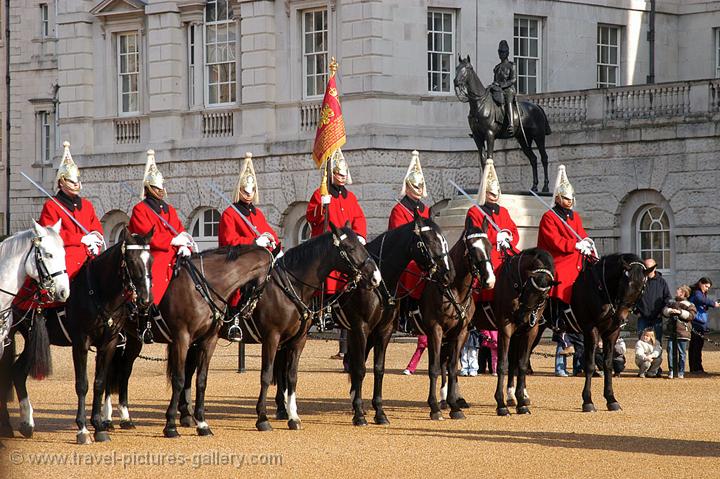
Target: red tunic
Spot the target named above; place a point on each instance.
(559, 241)
(141, 221)
(402, 213)
(502, 219)
(343, 207)
(76, 253)
(233, 231)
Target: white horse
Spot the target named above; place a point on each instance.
(39, 253)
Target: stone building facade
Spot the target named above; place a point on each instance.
(203, 81)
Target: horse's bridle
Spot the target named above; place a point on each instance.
(530, 282)
(128, 283)
(618, 303)
(356, 269)
(473, 261)
(425, 251)
(45, 278)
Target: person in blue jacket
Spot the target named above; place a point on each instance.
(701, 301)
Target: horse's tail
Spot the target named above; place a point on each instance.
(547, 123)
(280, 365)
(114, 371)
(6, 381)
(38, 347)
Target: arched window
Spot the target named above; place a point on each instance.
(113, 223)
(653, 236)
(205, 228)
(296, 229)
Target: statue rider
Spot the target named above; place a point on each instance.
(504, 77)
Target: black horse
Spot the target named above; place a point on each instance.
(447, 311)
(104, 294)
(521, 291)
(369, 316)
(602, 297)
(487, 121)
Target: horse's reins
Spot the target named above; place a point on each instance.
(474, 273)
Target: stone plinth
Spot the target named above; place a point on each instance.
(524, 209)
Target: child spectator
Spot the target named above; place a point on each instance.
(412, 365)
(489, 339)
(469, 357)
(679, 314)
(619, 356)
(699, 325)
(648, 354)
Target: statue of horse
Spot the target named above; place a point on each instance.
(487, 120)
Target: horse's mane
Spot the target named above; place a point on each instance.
(231, 252)
(15, 244)
(307, 251)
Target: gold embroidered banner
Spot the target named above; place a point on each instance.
(330, 133)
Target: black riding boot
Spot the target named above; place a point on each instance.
(509, 116)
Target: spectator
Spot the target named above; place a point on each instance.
(469, 356)
(619, 356)
(412, 365)
(652, 301)
(699, 325)
(679, 314)
(489, 339)
(648, 354)
(562, 351)
(578, 343)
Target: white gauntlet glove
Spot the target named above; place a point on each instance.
(263, 241)
(362, 240)
(183, 252)
(325, 199)
(504, 239)
(94, 242)
(184, 239)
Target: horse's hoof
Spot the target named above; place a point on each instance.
(294, 425)
(462, 403)
(84, 438)
(204, 431)
(171, 432)
(7, 431)
(437, 416)
(108, 426)
(523, 410)
(527, 402)
(187, 421)
(127, 424)
(26, 430)
(102, 436)
(443, 404)
(359, 421)
(381, 420)
(589, 407)
(263, 426)
(614, 406)
(457, 414)
(534, 188)
(511, 401)
(282, 415)
(503, 411)
(546, 188)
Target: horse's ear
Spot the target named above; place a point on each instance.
(347, 225)
(123, 235)
(468, 58)
(650, 269)
(149, 235)
(468, 223)
(38, 230)
(56, 227)
(333, 228)
(460, 60)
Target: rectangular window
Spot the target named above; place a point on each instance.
(608, 56)
(44, 20)
(527, 38)
(315, 51)
(44, 137)
(128, 72)
(191, 65)
(220, 44)
(440, 49)
(717, 53)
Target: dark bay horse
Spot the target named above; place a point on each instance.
(103, 295)
(193, 312)
(602, 297)
(447, 311)
(521, 292)
(486, 120)
(369, 316)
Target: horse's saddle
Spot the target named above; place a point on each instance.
(497, 94)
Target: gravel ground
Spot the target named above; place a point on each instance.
(667, 428)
